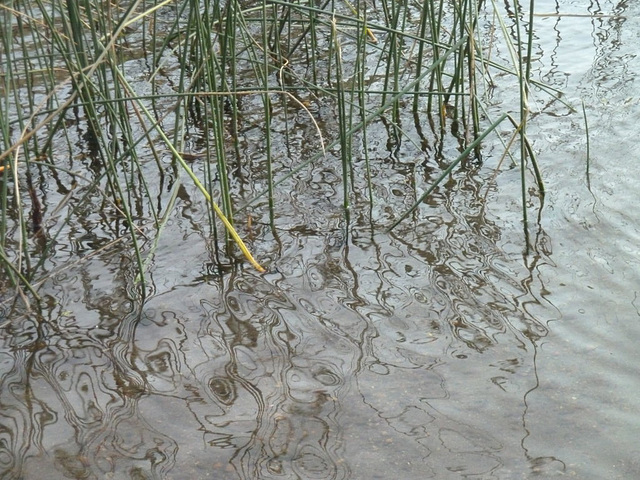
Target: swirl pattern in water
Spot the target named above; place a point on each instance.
(346, 361)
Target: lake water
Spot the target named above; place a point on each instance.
(443, 349)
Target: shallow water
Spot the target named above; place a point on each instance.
(441, 350)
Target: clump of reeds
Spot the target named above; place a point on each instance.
(78, 112)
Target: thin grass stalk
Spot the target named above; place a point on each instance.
(359, 86)
(7, 82)
(279, 21)
(524, 111)
(266, 103)
(435, 83)
(76, 28)
(529, 42)
(422, 33)
(209, 168)
(218, 129)
(530, 153)
(532, 157)
(126, 159)
(23, 247)
(393, 55)
(459, 88)
(463, 81)
(462, 88)
(472, 70)
(182, 105)
(343, 120)
(200, 42)
(458, 66)
(229, 61)
(350, 112)
(314, 46)
(27, 76)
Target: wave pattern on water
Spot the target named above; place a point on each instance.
(314, 370)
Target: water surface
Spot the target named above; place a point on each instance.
(444, 349)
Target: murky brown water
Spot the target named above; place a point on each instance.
(440, 350)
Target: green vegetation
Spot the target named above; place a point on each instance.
(118, 142)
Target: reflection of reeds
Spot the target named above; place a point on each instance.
(76, 114)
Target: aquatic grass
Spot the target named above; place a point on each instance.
(266, 103)
(93, 88)
(372, 115)
(343, 120)
(372, 62)
(523, 75)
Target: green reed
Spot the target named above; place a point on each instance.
(74, 112)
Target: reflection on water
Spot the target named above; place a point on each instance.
(343, 362)
(437, 351)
